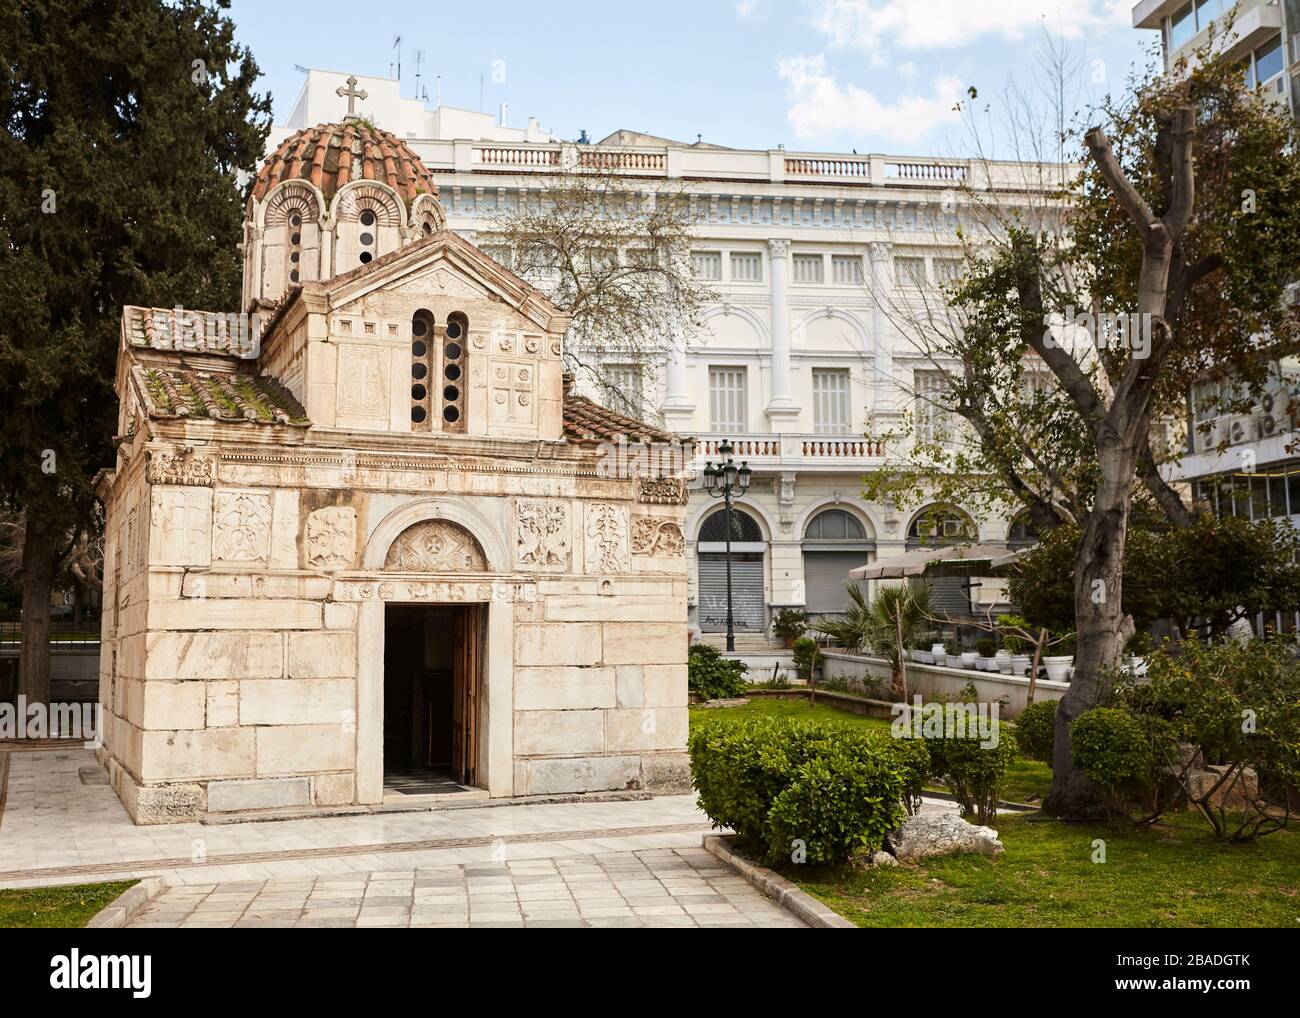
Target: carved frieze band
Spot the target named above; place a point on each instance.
(663, 491)
(184, 467)
(435, 591)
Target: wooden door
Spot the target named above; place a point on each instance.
(465, 717)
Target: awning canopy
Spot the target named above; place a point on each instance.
(958, 560)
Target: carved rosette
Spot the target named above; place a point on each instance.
(183, 467)
(657, 538)
(663, 491)
(542, 535)
(436, 546)
(331, 537)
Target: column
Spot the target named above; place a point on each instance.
(677, 408)
(886, 412)
(781, 409)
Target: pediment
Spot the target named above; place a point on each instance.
(446, 264)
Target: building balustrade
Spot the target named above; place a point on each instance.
(786, 450)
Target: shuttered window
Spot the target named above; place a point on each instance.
(830, 401)
(748, 609)
(808, 268)
(747, 268)
(727, 399)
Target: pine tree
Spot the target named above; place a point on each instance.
(128, 126)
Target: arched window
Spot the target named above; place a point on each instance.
(368, 235)
(421, 359)
(938, 526)
(834, 525)
(1022, 533)
(456, 336)
(834, 543)
(744, 528)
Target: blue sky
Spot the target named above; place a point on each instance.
(835, 75)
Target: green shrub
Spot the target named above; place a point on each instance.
(974, 772)
(790, 624)
(1113, 749)
(711, 676)
(806, 656)
(1036, 730)
(912, 757)
(986, 646)
(776, 782)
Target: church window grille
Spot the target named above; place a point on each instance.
(453, 372)
(421, 358)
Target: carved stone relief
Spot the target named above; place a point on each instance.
(542, 535)
(659, 538)
(241, 526)
(183, 467)
(179, 520)
(606, 545)
(331, 536)
(363, 374)
(512, 392)
(435, 546)
(663, 491)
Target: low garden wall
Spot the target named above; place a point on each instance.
(870, 676)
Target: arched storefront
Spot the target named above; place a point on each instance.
(748, 553)
(834, 541)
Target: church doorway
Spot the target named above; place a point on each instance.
(433, 666)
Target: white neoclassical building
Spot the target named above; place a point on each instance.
(798, 365)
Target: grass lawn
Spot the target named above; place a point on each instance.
(1174, 874)
(71, 906)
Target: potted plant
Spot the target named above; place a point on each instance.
(887, 623)
(1058, 665)
(919, 654)
(1015, 646)
(789, 625)
(985, 647)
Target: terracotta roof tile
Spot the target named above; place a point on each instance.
(588, 421)
(172, 393)
(331, 155)
(185, 330)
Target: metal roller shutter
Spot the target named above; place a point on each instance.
(748, 608)
(824, 576)
(949, 595)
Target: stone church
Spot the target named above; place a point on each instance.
(362, 544)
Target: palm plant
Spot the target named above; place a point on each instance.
(885, 625)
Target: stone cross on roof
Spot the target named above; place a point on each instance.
(352, 94)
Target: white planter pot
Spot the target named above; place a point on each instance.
(989, 664)
(1058, 666)
(1137, 666)
(937, 649)
(941, 660)
(969, 658)
(1020, 664)
(1003, 663)
(923, 657)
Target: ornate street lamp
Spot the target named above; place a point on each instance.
(725, 481)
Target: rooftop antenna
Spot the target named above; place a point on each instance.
(397, 45)
(480, 93)
(437, 90)
(419, 56)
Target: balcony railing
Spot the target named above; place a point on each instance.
(760, 450)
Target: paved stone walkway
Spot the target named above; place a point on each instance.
(683, 887)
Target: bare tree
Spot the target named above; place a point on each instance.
(614, 252)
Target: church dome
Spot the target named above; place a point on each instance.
(331, 155)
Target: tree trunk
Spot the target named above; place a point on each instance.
(40, 560)
(1103, 628)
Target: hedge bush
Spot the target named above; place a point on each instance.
(1036, 730)
(974, 772)
(776, 782)
(712, 676)
(1113, 749)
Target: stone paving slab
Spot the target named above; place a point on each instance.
(667, 887)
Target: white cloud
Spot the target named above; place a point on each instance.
(946, 24)
(822, 108)
(745, 9)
